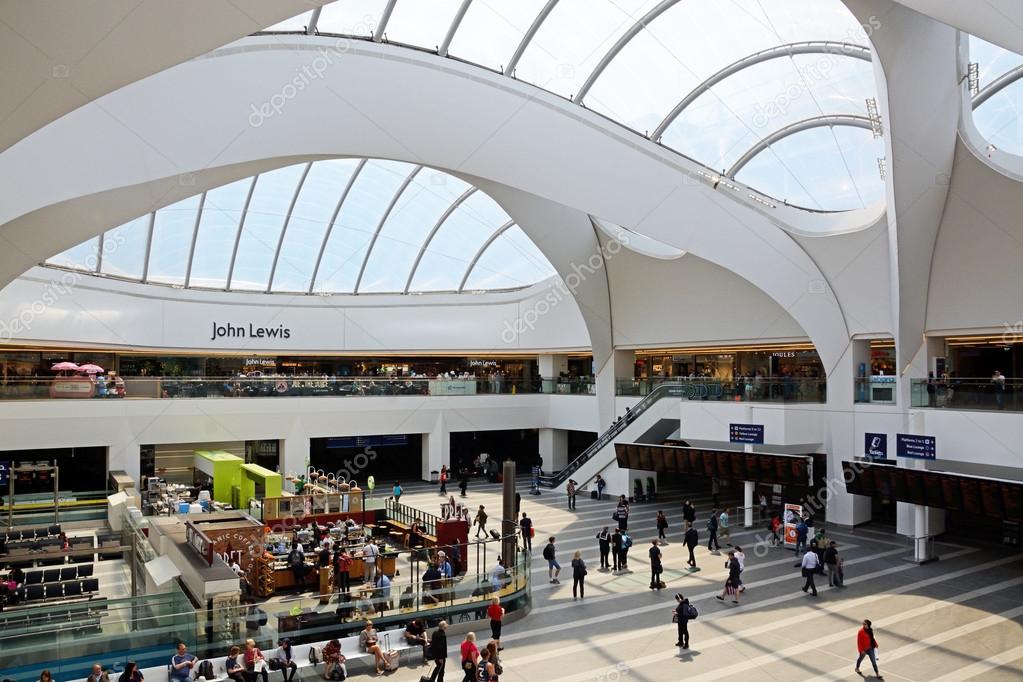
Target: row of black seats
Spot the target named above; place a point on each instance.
(56, 575)
(78, 615)
(71, 588)
(32, 533)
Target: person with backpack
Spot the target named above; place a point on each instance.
(553, 567)
(616, 549)
(802, 530)
(655, 567)
(334, 662)
(578, 575)
(285, 660)
(296, 562)
(684, 612)
(623, 561)
(662, 525)
(691, 540)
(439, 651)
(712, 530)
(867, 646)
(604, 541)
(526, 524)
(621, 513)
(481, 522)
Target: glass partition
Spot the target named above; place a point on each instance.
(753, 389)
(966, 393)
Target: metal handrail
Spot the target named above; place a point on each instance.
(402, 513)
(665, 390)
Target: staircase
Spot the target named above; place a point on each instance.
(637, 421)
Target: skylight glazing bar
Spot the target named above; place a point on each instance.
(99, 253)
(997, 85)
(238, 235)
(524, 43)
(640, 24)
(333, 219)
(284, 228)
(310, 30)
(429, 238)
(149, 246)
(380, 225)
(443, 49)
(195, 235)
(378, 35)
(847, 120)
(479, 254)
(787, 50)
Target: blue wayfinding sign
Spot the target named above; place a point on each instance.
(5, 474)
(915, 447)
(875, 445)
(746, 433)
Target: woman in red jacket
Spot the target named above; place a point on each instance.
(867, 646)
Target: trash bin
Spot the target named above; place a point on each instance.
(434, 477)
(1011, 534)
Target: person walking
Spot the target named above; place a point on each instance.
(691, 540)
(740, 556)
(481, 522)
(578, 574)
(616, 550)
(601, 484)
(726, 532)
(604, 540)
(732, 583)
(621, 514)
(570, 489)
(802, 530)
(662, 526)
(763, 506)
(342, 571)
(655, 567)
(526, 525)
(831, 563)
(397, 492)
(463, 482)
(998, 382)
(470, 657)
(553, 567)
(444, 479)
(683, 613)
(688, 512)
(712, 530)
(867, 646)
(774, 525)
(809, 565)
(439, 651)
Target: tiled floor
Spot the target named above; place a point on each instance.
(955, 619)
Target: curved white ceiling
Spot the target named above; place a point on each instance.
(998, 106)
(324, 227)
(672, 70)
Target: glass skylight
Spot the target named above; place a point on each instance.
(317, 228)
(998, 108)
(710, 80)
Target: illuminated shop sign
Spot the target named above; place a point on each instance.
(250, 331)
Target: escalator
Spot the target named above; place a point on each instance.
(648, 421)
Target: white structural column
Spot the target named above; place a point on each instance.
(554, 449)
(436, 450)
(294, 456)
(748, 503)
(620, 364)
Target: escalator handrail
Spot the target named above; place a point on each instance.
(662, 391)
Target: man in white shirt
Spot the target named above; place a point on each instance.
(809, 565)
(740, 556)
(369, 560)
(497, 574)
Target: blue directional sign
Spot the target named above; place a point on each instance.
(875, 445)
(915, 447)
(746, 433)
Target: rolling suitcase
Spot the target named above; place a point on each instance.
(390, 655)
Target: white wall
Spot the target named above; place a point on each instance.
(41, 307)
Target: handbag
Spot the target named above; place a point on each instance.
(468, 665)
(614, 516)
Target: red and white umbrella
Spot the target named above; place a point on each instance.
(91, 369)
